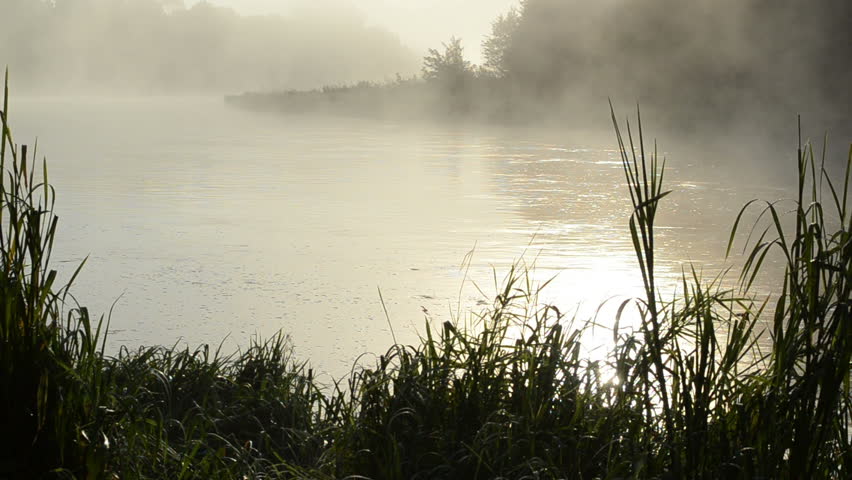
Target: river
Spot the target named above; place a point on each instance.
(203, 223)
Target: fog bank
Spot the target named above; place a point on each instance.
(161, 46)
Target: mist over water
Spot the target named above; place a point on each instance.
(355, 164)
(426, 239)
(232, 223)
(99, 47)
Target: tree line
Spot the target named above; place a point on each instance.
(161, 46)
(713, 55)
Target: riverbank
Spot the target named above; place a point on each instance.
(483, 100)
(505, 392)
(477, 100)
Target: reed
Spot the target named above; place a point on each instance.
(504, 392)
(53, 386)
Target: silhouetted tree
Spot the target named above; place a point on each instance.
(494, 46)
(713, 56)
(449, 66)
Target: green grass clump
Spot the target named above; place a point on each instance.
(53, 386)
(686, 391)
(198, 415)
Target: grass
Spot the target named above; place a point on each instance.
(503, 393)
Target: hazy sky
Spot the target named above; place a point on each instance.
(420, 23)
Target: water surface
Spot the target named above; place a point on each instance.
(202, 222)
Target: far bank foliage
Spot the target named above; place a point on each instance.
(694, 64)
(504, 393)
(705, 54)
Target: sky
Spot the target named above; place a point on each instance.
(420, 24)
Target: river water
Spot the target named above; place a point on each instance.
(203, 223)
